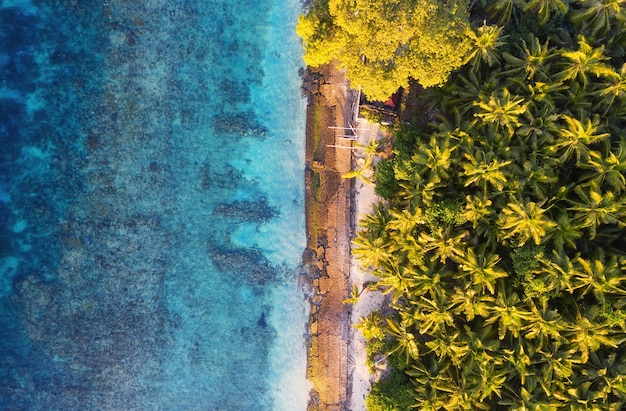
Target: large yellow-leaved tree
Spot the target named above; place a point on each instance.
(384, 43)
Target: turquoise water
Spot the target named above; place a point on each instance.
(151, 205)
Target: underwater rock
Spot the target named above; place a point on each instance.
(228, 179)
(252, 211)
(11, 111)
(251, 336)
(242, 124)
(234, 92)
(248, 263)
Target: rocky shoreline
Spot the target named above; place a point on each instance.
(328, 225)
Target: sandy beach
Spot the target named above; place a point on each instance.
(336, 353)
(363, 199)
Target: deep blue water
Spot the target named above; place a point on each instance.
(151, 205)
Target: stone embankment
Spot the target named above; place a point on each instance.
(331, 104)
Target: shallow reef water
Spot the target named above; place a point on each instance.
(151, 205)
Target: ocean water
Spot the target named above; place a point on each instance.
(151, 205)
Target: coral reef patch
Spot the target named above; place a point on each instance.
(238, 124)
(247, 264)
(257, 211)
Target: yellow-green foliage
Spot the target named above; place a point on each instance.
(503, 242)
(383, 43)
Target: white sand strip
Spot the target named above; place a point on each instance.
(363, 199)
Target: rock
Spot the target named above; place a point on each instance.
(320, 265)
(241, 124)
(321, 251)
(247, 210)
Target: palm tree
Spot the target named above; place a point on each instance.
(471, 302)
(576, 138)
(428, 277)
(534, 60)
(434, 160)
(423, 283)
(583, 61)
(586, 335)
(579, 100)
(397, 279)
(545, 7)
(365, 167)
(372, 252)
(519, 359)
(487, 41)
(483, 345)
(546, 97)
(503, 9)
(566, 232)
(375, 223)
(429, 398)
(444, 243)
(433, 384)
(415, 189)
(557, 367)
(492, 380)
(354, 296)
(440, 98)
(613, 88)
(596, 16)
(478, 210)
(484, 168)
(616, 118)
(543, 325)
(449, 346)
(404, 340)
(405, 221)
(537, 179)
(525, 221)
(525, 401)
(502, 110)
(402, 228)
(562, 269)
(432, 313)
(469, 88)
(596, 208)
(465, 399)
(412, 251)
(609, 169)
(508, 312)
(482, 269)
(371, 326)
(600, 276)
(605, 372)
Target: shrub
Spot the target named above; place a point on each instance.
(391, 394)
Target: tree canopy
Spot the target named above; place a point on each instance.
(502, 241)
(384, 43)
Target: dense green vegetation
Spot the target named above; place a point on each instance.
(501, 243)
(383, 43)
